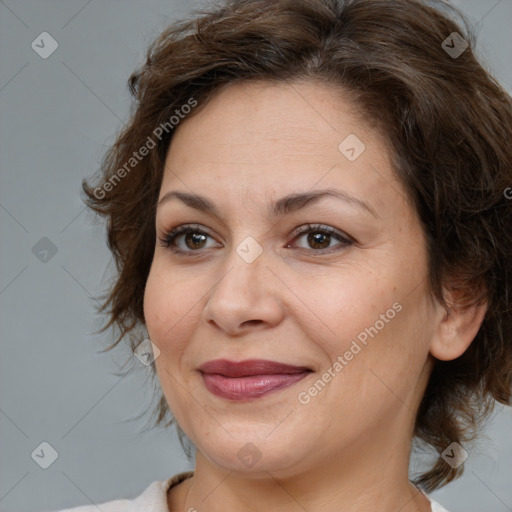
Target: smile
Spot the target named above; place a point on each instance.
(249, 379)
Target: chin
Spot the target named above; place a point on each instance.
(250, 450)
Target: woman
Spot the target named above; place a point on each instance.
(309, 215)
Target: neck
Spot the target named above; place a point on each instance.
(355, 481)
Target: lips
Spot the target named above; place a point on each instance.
(249, 379)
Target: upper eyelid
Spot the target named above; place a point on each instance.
(299, 229)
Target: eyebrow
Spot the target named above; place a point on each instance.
(281, 207)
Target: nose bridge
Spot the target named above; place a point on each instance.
(246, 290)
(246, 267)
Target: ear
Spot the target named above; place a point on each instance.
(456, 328)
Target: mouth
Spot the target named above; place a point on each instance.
(249, 379)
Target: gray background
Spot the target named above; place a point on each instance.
(58, 115)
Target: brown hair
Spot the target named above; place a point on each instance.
(448, 124)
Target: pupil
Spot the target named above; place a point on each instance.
(316, 239)
(196, 239)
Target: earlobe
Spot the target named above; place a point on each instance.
(456, 329)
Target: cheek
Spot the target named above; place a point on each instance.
(344, 304)
(155, 306)
(396, 349)
(169, 320)
(167, 309)
(369, 318)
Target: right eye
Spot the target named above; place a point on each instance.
(185, 239)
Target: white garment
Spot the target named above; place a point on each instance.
(154, 499)
(436, 507)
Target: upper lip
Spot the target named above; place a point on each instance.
(249, 367)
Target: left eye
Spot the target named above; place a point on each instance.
(320, 237)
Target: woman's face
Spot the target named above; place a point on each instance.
(349, 309)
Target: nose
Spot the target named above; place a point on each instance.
(247, 297)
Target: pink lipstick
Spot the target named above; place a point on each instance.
(252, 378)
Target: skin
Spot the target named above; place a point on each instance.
(348, 448)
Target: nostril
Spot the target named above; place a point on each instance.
(252, 322)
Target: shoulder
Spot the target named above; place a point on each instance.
(152, 499)
(436, 507)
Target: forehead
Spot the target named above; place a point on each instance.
(306, 117)
(273, 138)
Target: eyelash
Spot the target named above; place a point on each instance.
(169, 238)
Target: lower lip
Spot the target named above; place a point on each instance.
(246, 388)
